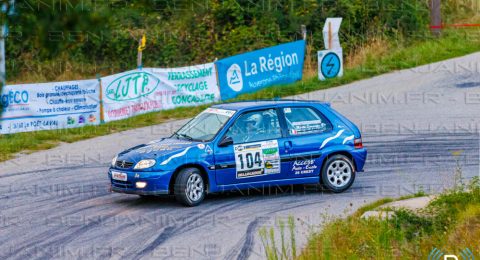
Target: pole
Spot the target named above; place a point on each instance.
(142, 44)
(304, 31)
(139, 56)
(100, 99)
(330, 35)
(435, 17)
(3, 72)
(7, 9)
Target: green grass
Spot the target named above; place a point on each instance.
(287, 247)
(451, 44)
(450, 223)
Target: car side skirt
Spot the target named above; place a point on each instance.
(260, 184)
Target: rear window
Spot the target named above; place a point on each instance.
(305, 120)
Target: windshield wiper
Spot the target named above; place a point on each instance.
(189, 138)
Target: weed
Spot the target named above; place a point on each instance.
(451, 222)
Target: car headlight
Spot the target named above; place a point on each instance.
(144, 164)
(114, 160)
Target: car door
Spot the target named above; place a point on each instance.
(307, 128)
(256, 152)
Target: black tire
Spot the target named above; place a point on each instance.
(333, 175)
(181, 185)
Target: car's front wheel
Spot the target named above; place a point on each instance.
(338, 173)
(189, 188)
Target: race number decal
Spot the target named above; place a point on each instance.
(255, 159)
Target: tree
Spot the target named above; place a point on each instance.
(48, 27)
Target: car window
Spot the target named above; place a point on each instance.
(304, 120)
(255, 126)
(206, 125)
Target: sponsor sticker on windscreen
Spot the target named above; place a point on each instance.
(311, 126)
(119, 176)
(218, 111)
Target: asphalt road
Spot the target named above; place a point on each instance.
(420, 127)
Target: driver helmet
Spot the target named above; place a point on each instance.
(255, 120)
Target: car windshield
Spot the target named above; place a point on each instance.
(205, 126)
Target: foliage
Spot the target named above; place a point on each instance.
(451, 222)
(66, 40)
(452, 44)
(459, 11)
(287, 249)
(188, 32)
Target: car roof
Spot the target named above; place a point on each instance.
(241, 105)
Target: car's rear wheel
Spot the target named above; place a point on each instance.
(189, 188)
(338, 173)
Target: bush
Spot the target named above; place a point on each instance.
(187, 32)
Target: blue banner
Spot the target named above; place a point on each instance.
(252, 71)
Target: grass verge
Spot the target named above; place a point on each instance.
(451, 44)
(451, 223)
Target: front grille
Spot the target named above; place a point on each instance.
(122, 184)
(124, 164)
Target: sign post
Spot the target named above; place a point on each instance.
(7, 9)
(304, 31)
(100, 99)
(330, 33)
(142, 43)
(435, 17)
(330, 61)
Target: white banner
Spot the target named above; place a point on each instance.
(46, 106)
(141, 91)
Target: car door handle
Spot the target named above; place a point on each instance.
(288, 145)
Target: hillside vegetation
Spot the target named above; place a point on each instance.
(62, 40)
(386, 36)
(450, 223)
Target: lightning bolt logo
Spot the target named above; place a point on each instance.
(330, 65)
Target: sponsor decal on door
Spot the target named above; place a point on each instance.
(256, 159)
(304, 166)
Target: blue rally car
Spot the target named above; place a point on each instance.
(243, 145)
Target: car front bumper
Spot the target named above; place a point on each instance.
(157, 183)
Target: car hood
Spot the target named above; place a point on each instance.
(156, 149)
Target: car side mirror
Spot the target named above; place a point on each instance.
(226, 141)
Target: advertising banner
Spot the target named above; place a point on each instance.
(252, 71)
(46, 106)
(150, 89)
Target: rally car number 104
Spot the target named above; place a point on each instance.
(243, 145)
